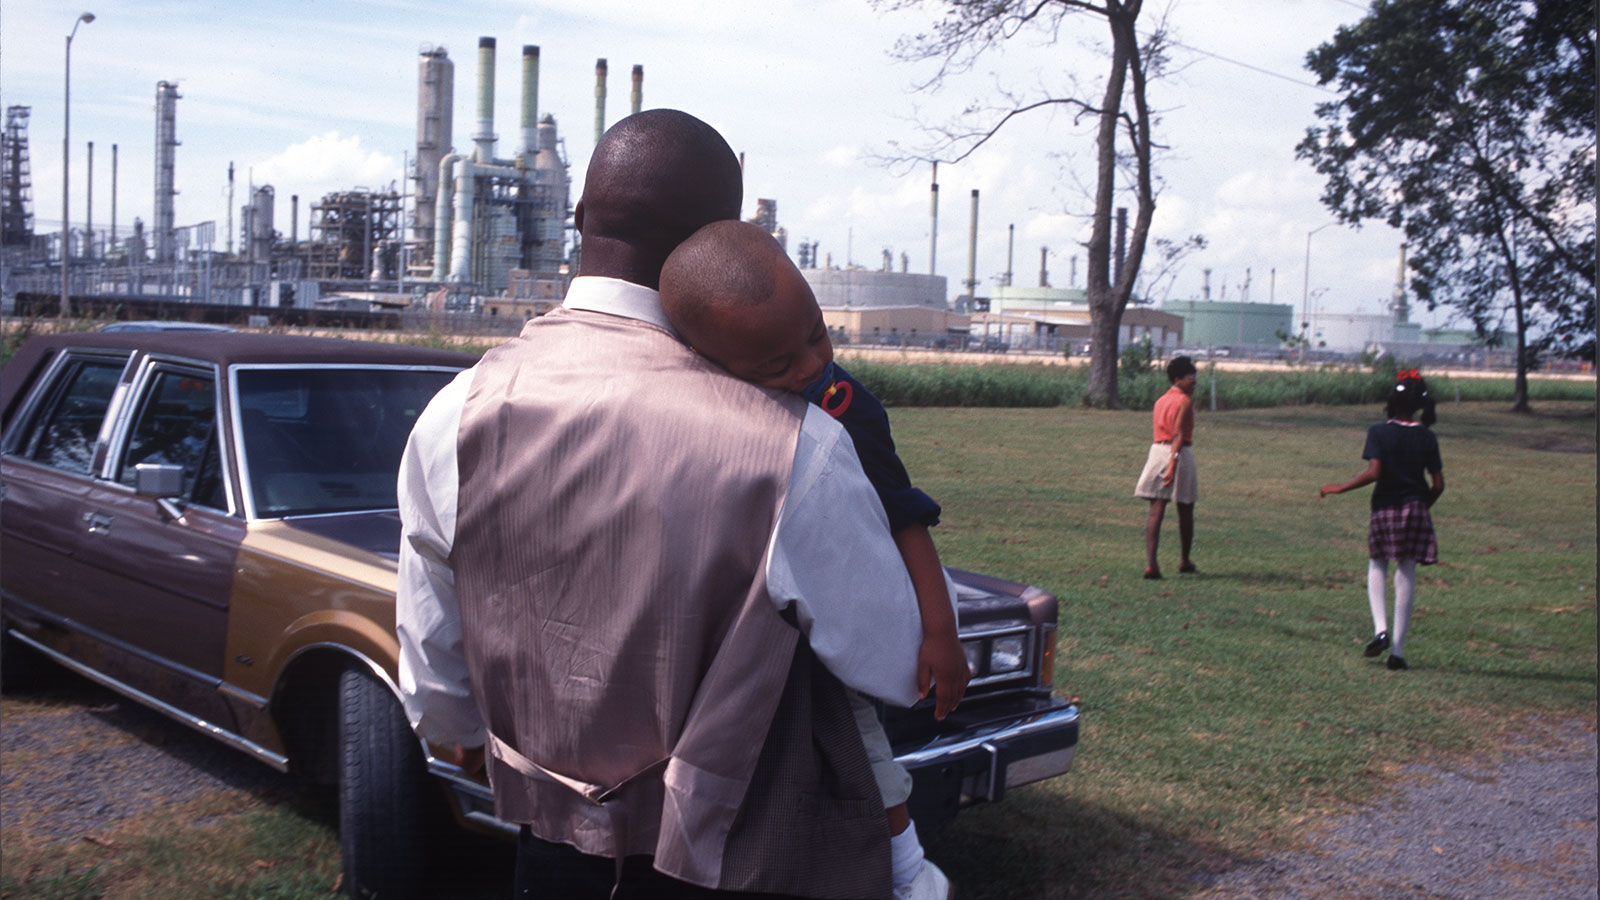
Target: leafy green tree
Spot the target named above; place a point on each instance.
(1123, 143)
(1470, 124)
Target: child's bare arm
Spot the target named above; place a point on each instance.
(941, 660)
(1362, 480)
(1438, 487)
(1185, 416)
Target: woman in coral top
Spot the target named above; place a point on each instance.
(1169, 471)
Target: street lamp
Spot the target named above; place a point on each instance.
(1305, 290)
(66, 161)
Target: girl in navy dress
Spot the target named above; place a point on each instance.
(1398, 453)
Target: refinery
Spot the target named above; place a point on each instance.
(472, 231)
(479, 236)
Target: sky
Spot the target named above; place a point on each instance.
(316, 96)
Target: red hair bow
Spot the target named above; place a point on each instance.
(1407, 375)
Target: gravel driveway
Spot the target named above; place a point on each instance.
(1520, 827)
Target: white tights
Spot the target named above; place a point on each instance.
(1405, 585)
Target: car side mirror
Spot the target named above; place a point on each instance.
(158, 480)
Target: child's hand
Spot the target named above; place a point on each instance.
(942, 662)
(1329, 488)
(1171, 474)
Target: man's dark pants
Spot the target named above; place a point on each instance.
(547, 871)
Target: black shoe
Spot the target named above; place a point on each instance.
(1188, 568)
(1397, 663)
(1378, 644)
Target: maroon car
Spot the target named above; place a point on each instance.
(206, 522)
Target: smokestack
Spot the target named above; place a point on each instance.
(972, 249)
(113, 195)
(1400, 308)
(436, 87)
(484, 138)
(1072, 272)
(530, 102)
(638, 88)
(294, 220)
(1044, 271)
(1205, 288)
(1011, 245)
(1122, 242)
(88, 215)
(230, 207)
(167, 97)
(599, 99)
(933, 232)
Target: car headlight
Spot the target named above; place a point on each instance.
(974, 651)
(1008, 654)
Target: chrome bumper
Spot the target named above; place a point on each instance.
(980, 766)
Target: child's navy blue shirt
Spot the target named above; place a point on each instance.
(866, 421)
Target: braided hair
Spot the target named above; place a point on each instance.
(1410, 398)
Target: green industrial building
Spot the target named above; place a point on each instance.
(1213, 323)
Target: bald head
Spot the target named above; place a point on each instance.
(733, 295)
(655, 178)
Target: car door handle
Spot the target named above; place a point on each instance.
(99, 523)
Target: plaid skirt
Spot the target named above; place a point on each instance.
(1403, 532)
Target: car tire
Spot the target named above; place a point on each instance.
(19, 663)
(382, 791)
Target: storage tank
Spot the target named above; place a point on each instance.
(1215, 323)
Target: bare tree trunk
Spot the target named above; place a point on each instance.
(1519, 394)
(1105, 314)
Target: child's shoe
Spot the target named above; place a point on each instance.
(1378, 644)
(930, 884)
(1397, 663)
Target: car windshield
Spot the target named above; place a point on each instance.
(328, 440)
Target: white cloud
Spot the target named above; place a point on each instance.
(329, 159)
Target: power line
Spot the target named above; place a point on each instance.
(1254, 68)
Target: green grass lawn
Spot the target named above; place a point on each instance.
(1221, 711)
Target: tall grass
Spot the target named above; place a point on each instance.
(1046, 386)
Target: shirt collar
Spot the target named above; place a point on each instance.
(615, 297)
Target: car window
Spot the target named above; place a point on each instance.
(327, 440)
(177, 426)
(66, 431)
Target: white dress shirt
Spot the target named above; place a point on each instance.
(830, 556)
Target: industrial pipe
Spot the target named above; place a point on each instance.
(972, 250)
(933, 232)
(599, 99)
(441, 216)
(88, 210)
(638, 88)
(1011, 246)
(461, 240)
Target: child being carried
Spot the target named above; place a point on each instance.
(732, 294)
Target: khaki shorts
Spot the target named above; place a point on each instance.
(894, 782)
(1185, 488)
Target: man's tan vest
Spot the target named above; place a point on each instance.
(643, 694)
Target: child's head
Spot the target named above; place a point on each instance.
(1409, 399)
(734, 296)
(1180, 368)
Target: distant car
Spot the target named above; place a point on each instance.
(210, 528)
(162, 325)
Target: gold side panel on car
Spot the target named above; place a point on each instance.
(292, 590)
